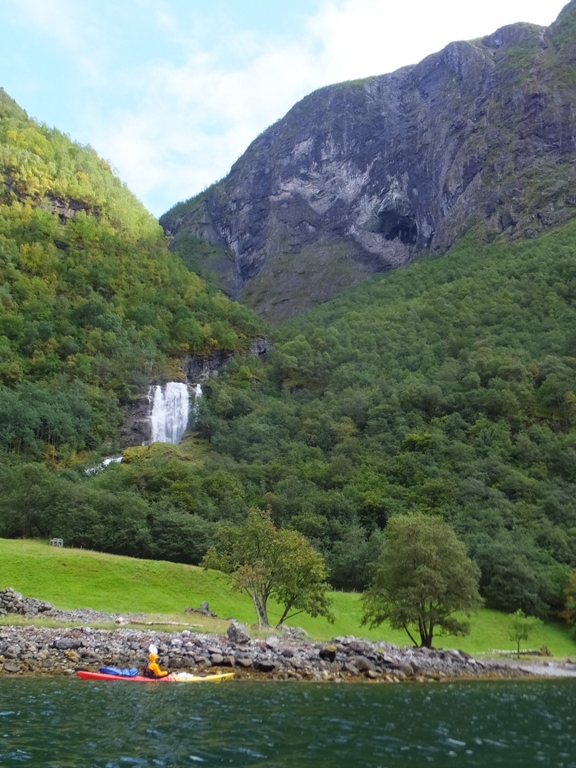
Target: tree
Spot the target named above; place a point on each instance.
(570, 613)
(29, 496)
(266, 562)
(521, 627)
(516, 573)
(422, 578)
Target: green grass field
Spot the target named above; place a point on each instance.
(76, 578)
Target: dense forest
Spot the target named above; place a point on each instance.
(447, 388)
(92, 307)
(92, 304)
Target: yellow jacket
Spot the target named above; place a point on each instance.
(152, 668)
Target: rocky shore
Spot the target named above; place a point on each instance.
(282, 655)
(41, 651)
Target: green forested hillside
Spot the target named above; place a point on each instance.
(92, 306)
(449, 388)
(446, 388)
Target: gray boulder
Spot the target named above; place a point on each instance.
(237, 634)
(362, 664)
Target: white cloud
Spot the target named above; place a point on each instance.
(197, 117)
(196, 120)
(70, 25)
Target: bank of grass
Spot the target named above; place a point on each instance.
(75, 578)
(191, 449)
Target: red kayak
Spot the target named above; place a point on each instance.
(175, 677)
(135, 679)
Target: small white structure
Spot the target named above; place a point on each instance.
(57, 542)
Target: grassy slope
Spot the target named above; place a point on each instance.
(72, 578)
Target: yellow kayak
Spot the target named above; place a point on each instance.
(186, 677)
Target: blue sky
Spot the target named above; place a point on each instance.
(173, 91)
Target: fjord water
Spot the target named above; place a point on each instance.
(72, 724)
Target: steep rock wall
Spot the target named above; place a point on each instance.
(358, 178)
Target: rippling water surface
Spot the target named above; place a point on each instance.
(62, 723)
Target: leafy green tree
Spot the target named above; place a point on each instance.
(178, 536)
(516, 573)
(269, 563)
(29, 494)
(521, 627)
(302, 586)
(422, 578)
(351, 558)
(570, 612)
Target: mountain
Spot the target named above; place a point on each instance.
(446, 388)
(359, 178)
(93, 309)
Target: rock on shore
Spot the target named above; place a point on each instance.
(286, 654)
(30, 607)
(42, 651)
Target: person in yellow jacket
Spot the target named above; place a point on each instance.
(152, 668)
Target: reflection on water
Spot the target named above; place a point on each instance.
(70, 723)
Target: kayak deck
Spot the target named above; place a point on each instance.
(175, 677)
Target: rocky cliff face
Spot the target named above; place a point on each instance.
(196, 369)
(360, 177)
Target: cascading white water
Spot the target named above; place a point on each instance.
(169, 413)
(197, 390)
(103, 464)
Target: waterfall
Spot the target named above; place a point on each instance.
(197, 389)
(103, 464)
(169, 413)
(111, 460)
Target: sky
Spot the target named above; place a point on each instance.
(171, 92)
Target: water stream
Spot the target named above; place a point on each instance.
(197, 390)
(103, 464)
(170, 408)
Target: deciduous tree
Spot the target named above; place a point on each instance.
(521, 627)
(266, 562)
(423, 577)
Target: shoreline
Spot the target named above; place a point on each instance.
(285, 654)
(46, 652)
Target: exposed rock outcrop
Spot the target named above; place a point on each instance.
(137, 428)
(196, 369)
(360, 177)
